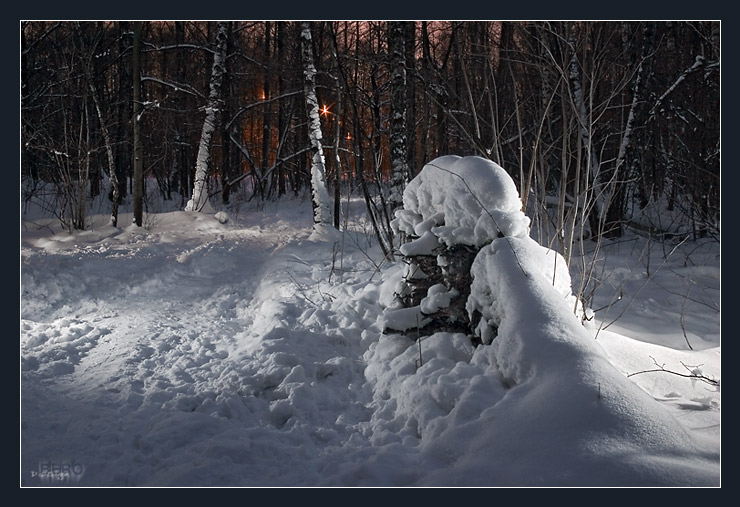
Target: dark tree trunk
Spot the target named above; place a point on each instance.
(138, 180)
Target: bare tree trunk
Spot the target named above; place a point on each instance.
(410, 60)
(283, 116)
(397, 138)
(617, 192)
(115, 188)
(229, 165)
(266, 118)
(182, 150)
(337, 159)
(199, 201)
(320, 195)
(357, 137)
(111, 158)
(138, 182)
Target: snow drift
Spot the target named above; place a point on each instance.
(547, 368)
(207, 352)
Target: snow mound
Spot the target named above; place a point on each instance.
(462, 200)
(492, 293)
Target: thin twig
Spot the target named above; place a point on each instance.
(300, 288)
(692, 375)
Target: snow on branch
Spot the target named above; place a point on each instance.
(698, 63)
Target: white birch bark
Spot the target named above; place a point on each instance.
(399, 166)
(199, 201)
(626, 136)
(320, 195)
(111, 158)
(593, 167)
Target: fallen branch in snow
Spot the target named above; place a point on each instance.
(694, 373)
(38, 226)
(301, 288)
(364, 250)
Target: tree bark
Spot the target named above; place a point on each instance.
(283, 118)
(320, 195)
(398, 147)
(266, 115)
(410, 59)
(138, 182)
(229, 166)
(115, 187)
(199, 201)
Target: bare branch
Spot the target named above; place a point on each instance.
(694, 373)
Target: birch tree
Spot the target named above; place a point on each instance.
(115, 187)
(199, 201)
(320, 195)
(90, 73)
(398, 146)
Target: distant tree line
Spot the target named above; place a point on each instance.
(593, 120)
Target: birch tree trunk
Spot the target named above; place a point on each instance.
(618, 193)
(410, 59)
(199, 201)
(320, 195)
(115, 187)
(91, 72)
(594, 192)
(399, 160)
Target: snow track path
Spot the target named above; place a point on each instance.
(172, 343)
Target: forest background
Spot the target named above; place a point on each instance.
(603, 125)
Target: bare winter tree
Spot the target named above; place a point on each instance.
(199, 201)
(320, 196)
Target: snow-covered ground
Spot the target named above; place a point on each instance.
(250, 353)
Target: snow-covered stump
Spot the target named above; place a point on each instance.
(452, 209)
(438, 285)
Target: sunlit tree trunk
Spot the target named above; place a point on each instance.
(320, 195)
(199, 201)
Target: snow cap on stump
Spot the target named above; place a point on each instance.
(462, 200)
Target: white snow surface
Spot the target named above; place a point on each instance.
(247, 351)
